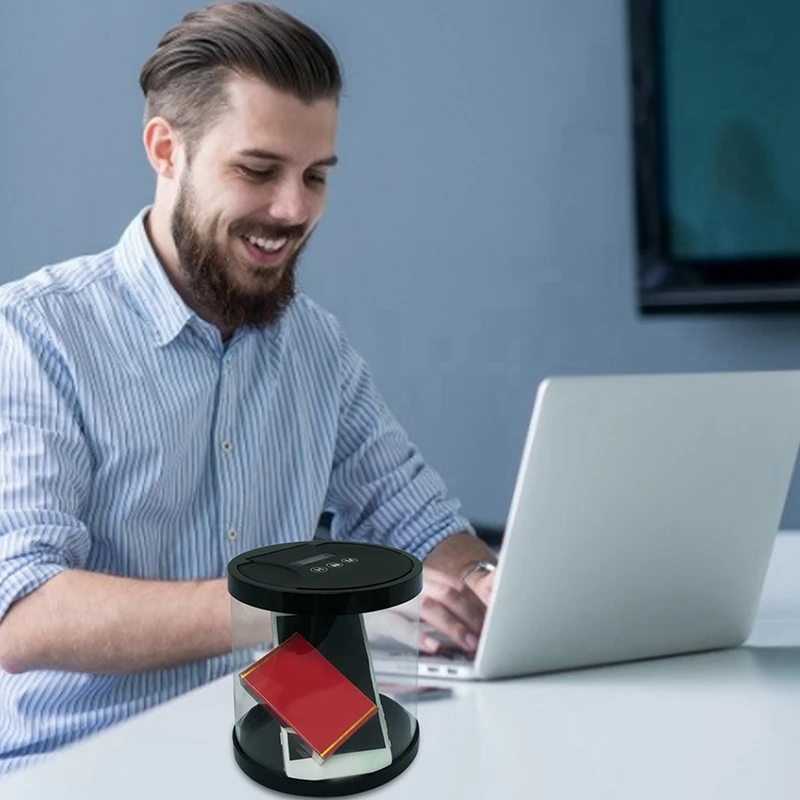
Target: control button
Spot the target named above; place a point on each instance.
(226, 446)
(335, 564)
(232, 534)
(319, 569)
(349, 560)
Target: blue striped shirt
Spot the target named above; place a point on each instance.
(134, 442)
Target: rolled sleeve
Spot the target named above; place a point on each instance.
(45, 465)
(381, 489)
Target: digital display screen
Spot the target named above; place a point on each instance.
(312, 559)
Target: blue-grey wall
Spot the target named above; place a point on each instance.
(479, 235)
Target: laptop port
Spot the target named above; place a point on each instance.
(452, 671)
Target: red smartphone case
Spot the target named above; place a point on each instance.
(306, 693)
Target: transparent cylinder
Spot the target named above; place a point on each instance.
(325, 697)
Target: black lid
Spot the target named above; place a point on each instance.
(323, 577)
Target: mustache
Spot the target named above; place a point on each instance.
(262, 230)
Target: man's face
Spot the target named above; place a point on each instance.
(248, 200)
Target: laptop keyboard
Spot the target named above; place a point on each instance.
(450, 654)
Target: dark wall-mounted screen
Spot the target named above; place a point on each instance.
(716, 123)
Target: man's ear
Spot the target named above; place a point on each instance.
(162, 145)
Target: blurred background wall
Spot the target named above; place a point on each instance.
(479, 234)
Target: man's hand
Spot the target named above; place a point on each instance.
(450, 609)
(448, 605)
(453, 608)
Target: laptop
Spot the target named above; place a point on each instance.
(641, 523)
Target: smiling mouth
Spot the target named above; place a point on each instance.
(266, 252)
(267, 245)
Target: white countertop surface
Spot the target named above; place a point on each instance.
(716, 725)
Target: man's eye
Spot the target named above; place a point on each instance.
(318, 179)
(256, 174)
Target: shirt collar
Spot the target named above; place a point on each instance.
(158, 301)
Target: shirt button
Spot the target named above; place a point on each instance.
(227, 446)
(232, 534)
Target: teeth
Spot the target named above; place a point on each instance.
(268, 245)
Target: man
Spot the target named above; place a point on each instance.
(172, 402)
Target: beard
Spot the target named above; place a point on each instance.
(210, 271)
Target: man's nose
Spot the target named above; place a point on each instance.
(289, 204)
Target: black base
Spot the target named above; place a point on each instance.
(263, 736)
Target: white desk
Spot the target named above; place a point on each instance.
(719, 725)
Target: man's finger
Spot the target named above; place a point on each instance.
(390, 625)
(403, 629)
(458, 599)
(445, 621)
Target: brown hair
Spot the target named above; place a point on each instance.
(185, 79)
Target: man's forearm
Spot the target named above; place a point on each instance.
(87, 622)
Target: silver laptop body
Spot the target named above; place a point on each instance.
(641, 523)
